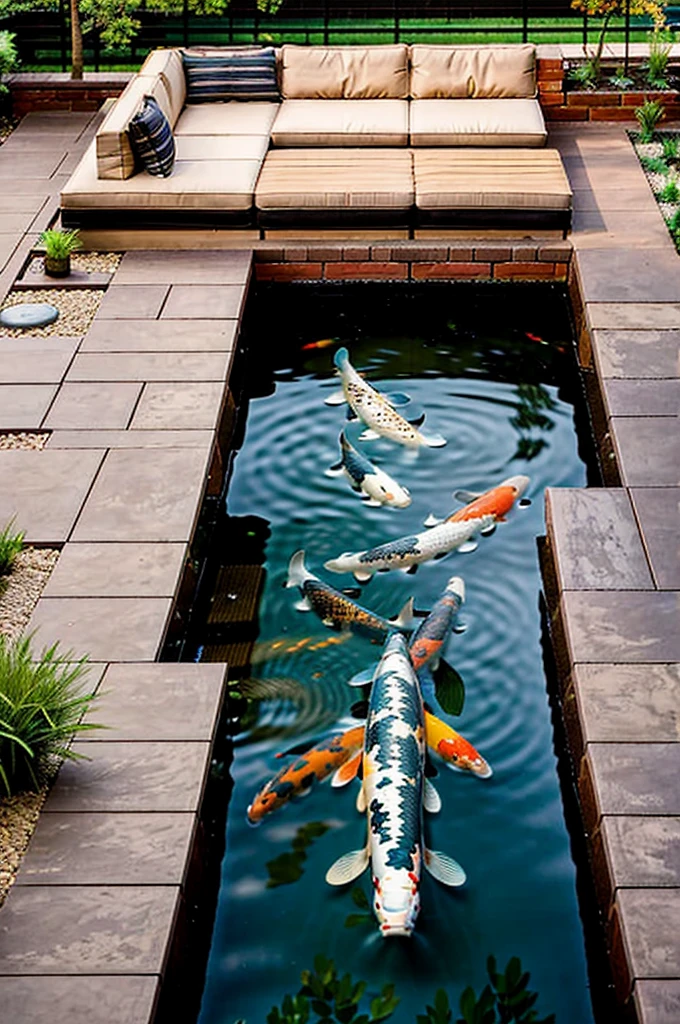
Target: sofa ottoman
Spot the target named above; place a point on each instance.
(335, 188)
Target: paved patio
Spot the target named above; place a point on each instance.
(86, 933)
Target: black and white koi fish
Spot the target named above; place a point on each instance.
(376, 411)
(373, 483)
(341, 612)
(393, 794)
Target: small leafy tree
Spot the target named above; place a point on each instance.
(608, 9)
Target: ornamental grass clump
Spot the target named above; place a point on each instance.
(670, 146)
(670, 193)
(654, 164)
(648, 117)
(11, 543)
(42, 702)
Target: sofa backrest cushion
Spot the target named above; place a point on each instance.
(151, 139)
(169, 64)
(115, 158)
(217, 75)
(344, 72)
(473, 72)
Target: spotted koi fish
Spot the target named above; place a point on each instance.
(313, 766)
(408, 552)
(374, 484)
(376, 411)
(496, 502)
(432, 633)
(340, 612)
(394, 793)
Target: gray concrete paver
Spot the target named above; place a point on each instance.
(172, 406)
(605, 627)
(160, 336)
(628, 703)
(132, 301)
(97, 405)
(117, 570)
(149, 366)
(204, 301)
(642, 397)
(637, 354)
(634, 778)
(658, 511)
(648, 450)
(644, 852)
(201, 267)
(201, 439)
(80, 999)
(23, 406)
(657, 1001)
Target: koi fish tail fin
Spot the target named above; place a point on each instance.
(348, 867)
(444, 868)
(433, 440)
(457, 586)
(406, 619)
(297, 573)
(341, 358)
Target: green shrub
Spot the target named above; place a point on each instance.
(586, 74)
(648, 117)
(655, 164)
(8, 58)
(670, 193)
(671, 145)
(11, 544)
(42, 702)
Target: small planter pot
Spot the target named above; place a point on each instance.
(57, 266)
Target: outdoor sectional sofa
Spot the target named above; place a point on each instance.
(364, 136)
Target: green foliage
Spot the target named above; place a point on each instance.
(670, 193)
(331, 998)
(620, 79)
(505, 1000)
(11, 544)
(648, 117)
(586, 74)
(674, 227)
(41, 706)
(671, 146)
(440, 1013)
(59, 243)
(8, 58)
(288, 867)
(660, 43)
(360, 900)
(654, 164)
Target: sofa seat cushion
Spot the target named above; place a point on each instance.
(335, 179)
(344, 72)
(193, 185)
(513, 179)
(232, 118)
(221, 147)
(479, 72)
(341, 123)
(477, 123)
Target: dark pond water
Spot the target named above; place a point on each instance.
(492, 368)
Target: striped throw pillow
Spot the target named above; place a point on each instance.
(152, 140)
(231, 75)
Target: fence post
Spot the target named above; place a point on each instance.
(185, 22)
(626, 52)
(326, 20)
(525, 21)
(585, 31)
(397, 27)
(62, 33)
(256, 22)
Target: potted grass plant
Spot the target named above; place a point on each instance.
(59, 245)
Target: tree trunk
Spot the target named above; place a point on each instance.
(76, 42)
(597, 60)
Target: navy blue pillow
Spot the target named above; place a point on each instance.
(231, 75)
(152, 140)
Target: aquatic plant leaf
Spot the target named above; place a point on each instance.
(353, 920)
(441, 1004)
(323, 1009)
(285, 868)
(468, 1005)
(359, 898)
(449, 689)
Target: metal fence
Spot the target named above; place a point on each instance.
(43, 35)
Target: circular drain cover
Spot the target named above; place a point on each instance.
(29, 314)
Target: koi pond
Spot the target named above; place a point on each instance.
(492, 368)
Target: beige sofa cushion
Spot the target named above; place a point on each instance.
(476, 123)
(473, 72)
(193, 185)
(341, 123)
(335, 179)
(221, 147)
(115, 159)
(344, 72)
(499, 180)
(231, 118)
(169, 64)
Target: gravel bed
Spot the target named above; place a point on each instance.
(24, 440)
(90, 262)
(18, 818)
(21, 588)
(77, 309)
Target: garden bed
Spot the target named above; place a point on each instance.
(660, 160)
(77, 310)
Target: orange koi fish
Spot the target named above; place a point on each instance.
(496, 502)
(453, 748)
(313, 766)
(323, 343)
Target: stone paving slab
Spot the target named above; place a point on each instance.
(623, 200)
(599, 232)
(201, 439)
(23, 406)
(658, 511)
(637, 354)
(596, 540)
(605, 627)
(56, 929)
(37, 165)
(160, 335)
(104, 628)
(109, 849)
(647, 450)
(623, 275)
(642, 398)
(630, 779)
(627, 703)
(132, 301)
(45, 490)
(209, 301)
(179, 406)
(117, 570)
(133, 776)
(633, 315)
(644, 851)
(144, 495)
(646, 920)
(83, 999)
(35, 360)
(657, 1002)
(189, 267)
(98, 405)
(150, 366)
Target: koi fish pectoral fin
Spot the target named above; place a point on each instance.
(347, 771)
(361, 800)
(432, 802)
(369, 435)
(335, 398)
(370, 502)
(364, 678)
(406, 618)
(488, 530)
(362, 577)
(303, 605)
(337, 469)
(433, 440)
(466, 496)
(444, 868)
(348, 867)
(433, 520)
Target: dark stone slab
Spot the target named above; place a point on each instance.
(648, 450)
(159, 776)
(145, 496)
(146, 366)
(622, 626)
(35, 360)
(628, 703)
(27, 315)
(596, 540)
(159, 701)
(649, 922)
(132, 301)
(45, 490)
(201, 439)
(198, 267)
(160, 335)
(634, 778)
(109, 849)
(23, 406)
(103, 406)
(657, 1001)
(104, 628)
(185, 406)
(643, 851)
(642, 397)
(204, 301)
(80, 929)
(117, 570)
(658, 510)
(84, 999)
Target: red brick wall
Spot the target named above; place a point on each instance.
(58, 92)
